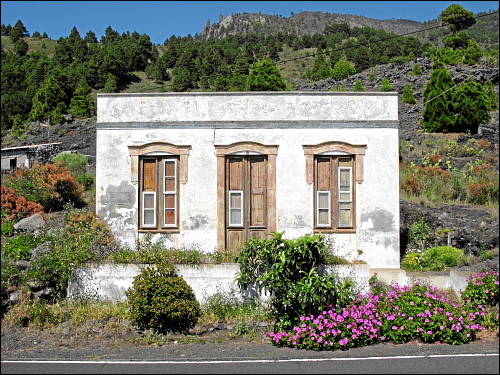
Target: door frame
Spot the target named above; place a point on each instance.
(221, 151)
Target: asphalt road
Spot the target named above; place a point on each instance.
(417, 358)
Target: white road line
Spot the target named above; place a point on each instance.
(260, 360)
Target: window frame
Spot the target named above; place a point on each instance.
(160, 193)
(335, 149)
(334, 184)
(159, 150)
(231, 208)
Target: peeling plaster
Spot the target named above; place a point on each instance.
(196, 222)
(378, 221)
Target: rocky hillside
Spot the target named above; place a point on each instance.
(485, 31)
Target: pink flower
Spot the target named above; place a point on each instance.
(344, 341)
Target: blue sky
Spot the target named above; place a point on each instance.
(162, 19)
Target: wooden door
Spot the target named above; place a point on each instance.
(246, 200)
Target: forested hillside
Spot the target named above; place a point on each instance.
(47, 80)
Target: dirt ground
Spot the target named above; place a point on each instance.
(127, 343)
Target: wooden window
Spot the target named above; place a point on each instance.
(159, 184)
(235, 206)
(334, 192)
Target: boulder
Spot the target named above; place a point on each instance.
(30, 224)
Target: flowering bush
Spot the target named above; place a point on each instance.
(482, 292)
(50, 185)
(16, 207)
(481, 289)
(402, 314)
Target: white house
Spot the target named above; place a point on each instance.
(210, 170)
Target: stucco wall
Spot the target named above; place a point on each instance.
(286, 119)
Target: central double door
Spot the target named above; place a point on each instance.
(246, 200)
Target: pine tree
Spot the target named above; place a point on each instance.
(82, 105)
(342, 70)
(359, 86)
(471, 105)
(438, 114)
(265, 76)
(386, 85)
(46, 99)
(407, 96)
(321, 69)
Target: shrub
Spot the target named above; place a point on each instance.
(408, 96)
(482, 289)
(83, 239)
(19, 247)
(419, 234)
(402, 314)
(482, 293)
(386, 85)
(50, 185)
(433, 259)
(440, 257)
(16, 207)
(288, 270)
(77, 165)
(161, 300)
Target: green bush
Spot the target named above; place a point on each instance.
(19, 247)
(289, 271)
(433, 259)
(77, 165)
(482, 294)
(161, 300)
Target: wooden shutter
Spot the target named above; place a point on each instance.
(258, 192)
(323, 192)
(170, 192)
(345, 192)
(149, 186)
(236, 187)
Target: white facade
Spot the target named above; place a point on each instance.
(202, 123)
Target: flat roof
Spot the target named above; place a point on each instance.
(30, 146)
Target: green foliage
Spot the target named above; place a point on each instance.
(457, 18)
(147, 251)
(289, 271)
(320, 70)
(416, 70)
(77, 165)
(82, 105)
(433, 259)
(419, 235)
(399, 315)
(342, 69)
(472, 106)
(438, 113)
(358, 86)
(386, 85)
(408, 96)
(84, 239)
(265, 76)
(161, 300)
(50, 185)
(19, 247)
(111, 84)
(46, 100)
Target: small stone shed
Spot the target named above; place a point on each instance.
(211, 170)
(25, 156)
